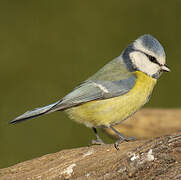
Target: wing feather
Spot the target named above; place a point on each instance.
(94, 90)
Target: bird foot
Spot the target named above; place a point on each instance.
(96, 142)
(121, 140)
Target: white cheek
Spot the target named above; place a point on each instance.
(141, 62)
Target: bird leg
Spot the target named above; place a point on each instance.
(98, 140)
(121, 138)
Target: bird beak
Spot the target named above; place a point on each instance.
(165, 68)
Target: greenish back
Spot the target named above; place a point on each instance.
(112, 71)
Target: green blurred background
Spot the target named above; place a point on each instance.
(49, 47)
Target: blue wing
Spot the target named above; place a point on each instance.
(93, 90)
(88, 91)
(112, 80)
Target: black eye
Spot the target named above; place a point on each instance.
(152, 59)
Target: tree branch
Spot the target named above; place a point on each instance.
(158, 158)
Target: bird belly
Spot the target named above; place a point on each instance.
(114, 110)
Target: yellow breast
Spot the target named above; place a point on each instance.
(114, 110)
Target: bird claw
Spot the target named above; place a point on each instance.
(96, 142)
(121, 140)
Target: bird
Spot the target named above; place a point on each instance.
(115, 92)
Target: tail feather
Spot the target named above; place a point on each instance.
(34, 113)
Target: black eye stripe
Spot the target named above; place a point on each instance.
(152, 59)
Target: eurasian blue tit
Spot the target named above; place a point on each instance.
(116, 91)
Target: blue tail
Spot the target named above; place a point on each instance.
(35, 113)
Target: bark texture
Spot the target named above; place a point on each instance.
(154, 158)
